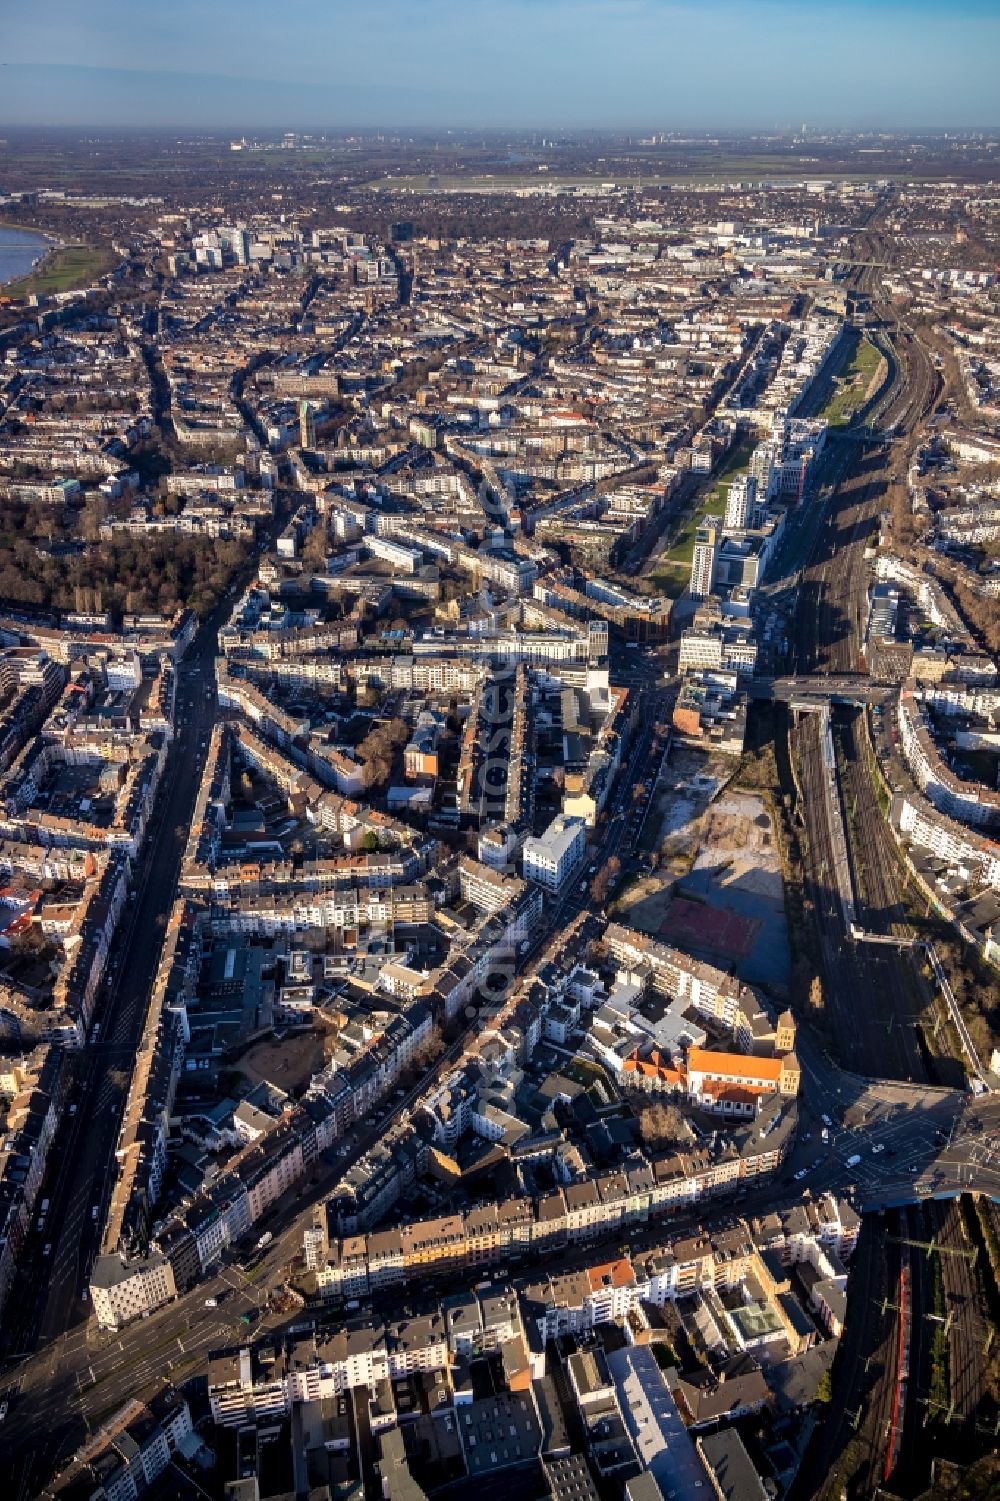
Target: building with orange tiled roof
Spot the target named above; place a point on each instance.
(612, 1289)
(654, 1073)
(733, 1083)
(732, 1099)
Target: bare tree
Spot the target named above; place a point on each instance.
(661, 1123)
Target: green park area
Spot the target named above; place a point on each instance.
(62, 270)
(850, 386)
(671, 570)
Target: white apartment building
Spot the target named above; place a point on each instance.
(741, 503)
(551, 858)
(703, 562)
(926, 826)
(700, 651)
(968, 801)
(121, 1293)
(406, 559)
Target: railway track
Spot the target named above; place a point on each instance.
(833, 593)
(913, 1468)
(828, 634)
(967, 1335)
(820, 1476)
(875, 885)
(880, 1035)
(901, 1379)
(884, 1364)
(857, 1038)
(853, 1448)
(883, 1431)
(879, 905)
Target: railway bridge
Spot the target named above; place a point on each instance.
(854, 689)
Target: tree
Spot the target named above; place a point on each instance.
(429, 1050)
(661, 1123)
(596, 953)
(370, 842)
(816, 993)
(605, 878)
(378, 749)
(316, 547)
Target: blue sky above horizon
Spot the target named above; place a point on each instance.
(533, 63)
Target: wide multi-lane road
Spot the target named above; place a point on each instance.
(83, 1152)
(48, 1305)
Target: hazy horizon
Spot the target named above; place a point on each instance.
(528, 64)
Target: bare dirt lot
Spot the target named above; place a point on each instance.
(289, 1064)
(719, 890)
(687, 785)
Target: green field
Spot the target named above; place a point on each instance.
(850, 385)
(672, 569)
(654, 172)
(62, 271)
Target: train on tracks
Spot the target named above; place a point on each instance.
(904, 1325)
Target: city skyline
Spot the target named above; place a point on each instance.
(602, 63)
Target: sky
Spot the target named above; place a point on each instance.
(698, 64)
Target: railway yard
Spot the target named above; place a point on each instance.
(831, 602)
(911, 1379)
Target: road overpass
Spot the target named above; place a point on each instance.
(855, 689)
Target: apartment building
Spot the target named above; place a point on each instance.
(970, 802)
(121, 1292)
(706, 547)
(550, 859)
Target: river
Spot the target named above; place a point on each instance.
(19, 250)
